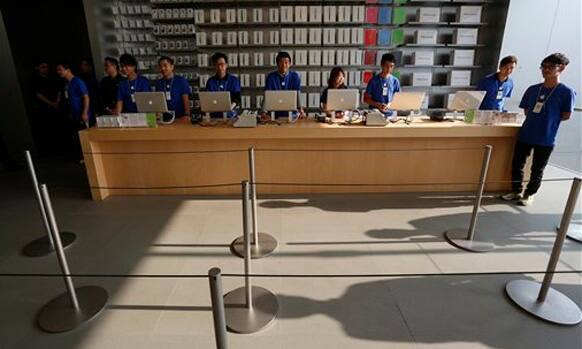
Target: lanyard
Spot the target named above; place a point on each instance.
(549, 95)
(171, 84)
(223, 86)
(133, 87)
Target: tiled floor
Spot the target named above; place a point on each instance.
(328, 235)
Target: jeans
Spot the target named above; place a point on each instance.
(541, 155)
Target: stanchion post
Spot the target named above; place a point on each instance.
(543, 301)
(560, 238)
(40, 205)
(253, 179)
(247, 241)
(215, 280)
(480, 189)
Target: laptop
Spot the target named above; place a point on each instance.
(342, 99)
(215, 101)
(280, 100)
(151, 102)
(466, 100)
(407, 101)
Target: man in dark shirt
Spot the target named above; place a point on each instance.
(46, 119)
(108, 86)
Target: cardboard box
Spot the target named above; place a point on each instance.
(423, 58)
(428, 15)
(459, 78)
(423, 79)
(315, 36)
(465, 36)
(315, 14)
(469, 14)
(301, 14)
(425, 36)
(301, 36)
(463, 58)
(315, 57)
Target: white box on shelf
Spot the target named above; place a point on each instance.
(315, 36)
(215, 16)
(274, 37)
(301, 14)
(257, 15)
(231, 38)
(258, 58)
(245, 102)
(259, 101)
(423, 58)
(244, 59)
(274, 15)
(355, 57)
(300, 36)
(428, 15)
(302, 75)
(243, 38)
(329, 14)
(232, 59)
(315, 14)
(463, 58)
(273, 58)
(287, 36)
(315, 57)
(329, 36)
(449, 100)
(202, 59)
(314, 78)
(241, 15)
(469, 14)
(203, 80)
(358, 14)
(344, 36)
(355, 79)
(328, 57)
(357, 36)
(300, 57)
(230, 15)
(260, 80)
(465, 36)
(258, 38)
(245, 80)
(425, 36)
(216, 38)
(302, 100)
(286, 14)
(314, 100)
(344, 14)
(343, 57)
(422, 79)
(324, 77)
(459, 78)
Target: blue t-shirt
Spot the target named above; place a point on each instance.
(323, 97)
(496, 92)
(231, 84)
(541, 128)
(127, 88)
(176, 87)
(376, 88)
(75, 90)
(290, 82)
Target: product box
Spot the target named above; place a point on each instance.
(201, 39)
(343, 57)
(428, 14)
(344, 36)
(358, 14)
(245, 102)
(315, 36)
(301, 15)
(258, 38)
(315, 57)
(245, 80)
(260, 80)
(329, 36)
(425, 36)
(459, 78)
(273, 15)
(202, 59)
(328, 57)
(314, 78)
(300, 57)
(301, 36)
(355, 57)
(344, 14)
(357, 36)
(422, 79)
(258, 59)
(257, 15)
(385, 15)
(469, 14)
(230, 15)
(259, 101)
(274, 37)
(286, 14)
(241, 15)
(423, 58)
(354, 78)
(244, 59)
(287, 36)
(463, 57)
(465, 36)
(216, 38)
(330, 14)
(314, 100)
(231, 38)
(232, 59)
(315, 14)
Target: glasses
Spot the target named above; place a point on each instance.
(549, 66)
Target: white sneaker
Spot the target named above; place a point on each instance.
(511, 196)
(526, 201)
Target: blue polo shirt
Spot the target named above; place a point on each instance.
(127, 88)
(541, 128)
(75, 90)
(177, 87)
(376, 88)
(289, 82)
(229, 83)
(495, 90)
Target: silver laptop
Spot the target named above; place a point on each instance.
(343, 99)
(280, 100)
(215, 101)
(407, 101)
(151, 102)
(465, 100)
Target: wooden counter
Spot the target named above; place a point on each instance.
(148, 161)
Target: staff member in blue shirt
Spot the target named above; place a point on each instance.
(382, 87)
(284, 79)
(545, 106)
(498, 86)
(223, 81)
(337, 80)
(76, 96)
(175, 88)
(133, 83)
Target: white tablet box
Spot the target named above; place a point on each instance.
(301, 14)
(428, 15)
(459, 78)
(314, 78)
(286, 14)
(315, 14)
(315, 36)
(423, 58)
(463, 57)
(425, 36)
(315, 57)
(301, 36)
(421, 79)
(330, 14)
(465, 36)
(469, 14)
(300, 58)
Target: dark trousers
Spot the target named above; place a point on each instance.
(541, 155)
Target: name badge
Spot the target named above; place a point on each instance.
(538, 107)
(168, 96)
(385, 91)
(221, 87)
(66, 94)
(133, 98)
(499, 94)
(283, 83)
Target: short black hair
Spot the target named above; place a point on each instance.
(282, 55)
(64, 64)
(127, 59)
(166, 58)
(112, 61)
(388, 57)
(507, 60)
(556, 58)
(38, 62)
(218, 55)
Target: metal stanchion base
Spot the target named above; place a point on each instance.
(458, 238)
(42, 246)
(266, 246)
(557, 307)
(574, 231)
(59, 316)
(240, 319)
